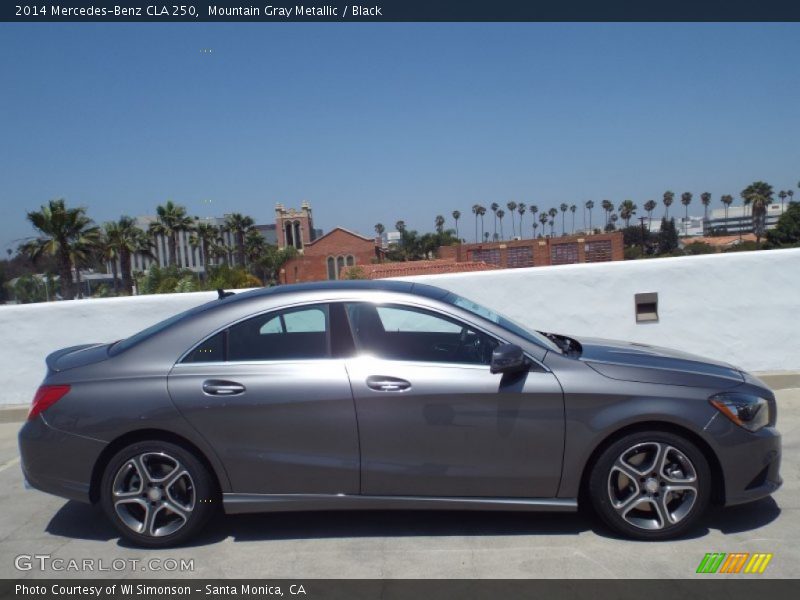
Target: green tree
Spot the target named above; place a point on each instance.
(238, 224)
(626, 210)
(787, 230)
(758, 195)
(705, 198)
(726, 200)
(667, 237)
(439, 223)
(494, 207)
(686, 200)
(669, 197)
(608, 207)
(589, 206)
(171, 218)
(521, 208)
(500, 214)
(649, 207)
(564, 208)
(456, 217)
(66, 234)
(512, 206)
(204, 237)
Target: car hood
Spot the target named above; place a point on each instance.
(76, 356)
(631, 361)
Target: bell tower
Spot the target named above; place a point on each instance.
(294, 228)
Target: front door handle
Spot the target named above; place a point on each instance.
(381, 383)
(216, 387)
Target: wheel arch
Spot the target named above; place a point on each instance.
(717, 477)
(141, 435)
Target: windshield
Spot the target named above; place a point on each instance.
(504, 322)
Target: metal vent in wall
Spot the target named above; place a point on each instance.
(646, 307)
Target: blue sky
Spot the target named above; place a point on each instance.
(380, 122)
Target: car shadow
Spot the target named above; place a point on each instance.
(81, 521)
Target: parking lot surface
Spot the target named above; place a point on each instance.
(405, 544)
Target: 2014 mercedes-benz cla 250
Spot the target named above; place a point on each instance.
(375, 395)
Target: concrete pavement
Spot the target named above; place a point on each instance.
(400, 544)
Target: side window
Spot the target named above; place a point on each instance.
(404, 333)
(294, 333)
(211, 350)
(290, 334)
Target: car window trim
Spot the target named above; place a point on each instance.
(281, 309)
(534, 361)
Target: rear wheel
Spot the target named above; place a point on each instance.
(157, 493)
(651, 485)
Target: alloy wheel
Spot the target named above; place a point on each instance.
(153, 494)
(653, 485)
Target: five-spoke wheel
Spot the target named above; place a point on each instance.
(157, 493)
(650, 485)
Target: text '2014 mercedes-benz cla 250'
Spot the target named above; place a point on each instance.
(377, 395)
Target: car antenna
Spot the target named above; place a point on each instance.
(223, 294)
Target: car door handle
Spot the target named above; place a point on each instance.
(216, 387)
(387, 384)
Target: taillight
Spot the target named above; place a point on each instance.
(45, 397)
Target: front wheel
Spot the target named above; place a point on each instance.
(157, 493)
(650, 485)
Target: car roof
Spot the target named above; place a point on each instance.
(407, 287)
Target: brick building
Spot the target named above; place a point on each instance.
(415, 267)
(325, 257)
(540, 252)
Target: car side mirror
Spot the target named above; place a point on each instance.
(508, 358)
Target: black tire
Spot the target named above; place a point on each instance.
(639, 509)
(121, 500)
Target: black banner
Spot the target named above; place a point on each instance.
(405, 11)
(417, 589)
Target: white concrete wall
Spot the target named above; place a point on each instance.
(743, 308)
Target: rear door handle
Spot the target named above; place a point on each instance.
(216, 387)
(381, 383)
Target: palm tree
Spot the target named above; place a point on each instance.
(649, 207)
(572, 209)
(668, 199)
(564, 208)
(553, 212)
(705, 198)
(204, 237)
(129, 240)
(626, 210)
(239, 224)
(481, 212)
(758, 195)
(543, 221)
(512, 206)
(521, 210)
(400, 226)
(613, 219)
(686, 200)
(782, 195)
(456, 217)
(476, 210)
(589, 206)
(379, 229)
(727, 200)
(494, 206)
(109, 248)
(500, 214)
(66, 234)
(533, 209)
(790, 193)
(255, 247)
(171, 218)
(607, 207)
(439, 221)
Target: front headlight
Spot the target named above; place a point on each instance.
(750, 412)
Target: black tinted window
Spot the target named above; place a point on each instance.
(211, 350)
(294, 333)
(405, 333)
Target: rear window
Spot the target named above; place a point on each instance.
(123, 345)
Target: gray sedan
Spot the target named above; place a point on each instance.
(376, 395)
